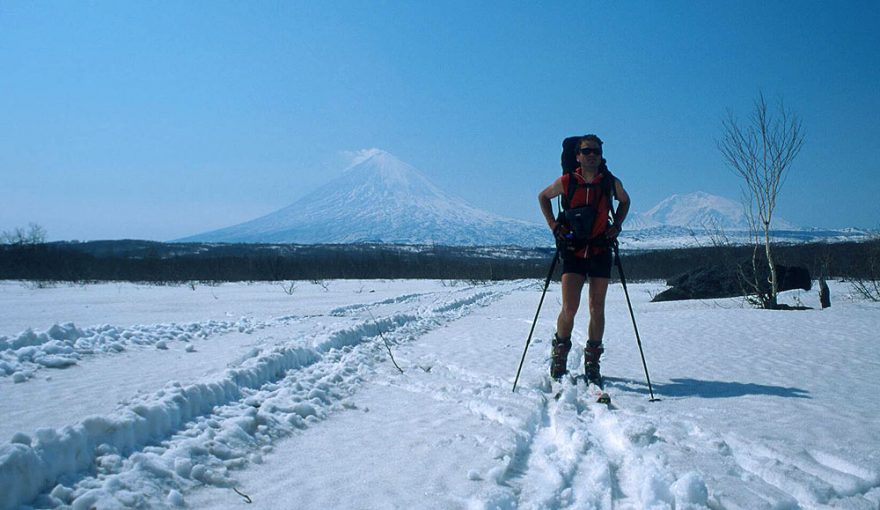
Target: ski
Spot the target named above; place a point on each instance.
(600, 394)
(596, 392)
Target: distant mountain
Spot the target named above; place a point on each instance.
(699, 210)
(696, 218)
(381, 199)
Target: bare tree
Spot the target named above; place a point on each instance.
(760, 151)
(749, 280)
(867, 283)
(867, 288)
(755, 291)
(35, 234)
(289, 287)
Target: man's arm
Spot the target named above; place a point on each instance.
(623, 204)
(544, 199)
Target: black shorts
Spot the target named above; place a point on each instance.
(597, 266)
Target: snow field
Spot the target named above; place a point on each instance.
(529, 451)
(304, 409)
(28, 465)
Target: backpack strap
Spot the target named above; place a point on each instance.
(608, 182)
(569, 165)
(572, 188)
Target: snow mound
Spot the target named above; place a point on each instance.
(64, 345)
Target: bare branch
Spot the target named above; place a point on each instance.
(760, 152)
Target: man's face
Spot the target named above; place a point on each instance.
(589, 154)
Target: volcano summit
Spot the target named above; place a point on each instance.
(381, 199)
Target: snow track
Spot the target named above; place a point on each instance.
(223, 422)
(65, 345)
(817, 479)
(585, 455)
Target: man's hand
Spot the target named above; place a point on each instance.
(561, 232)
(612, 232)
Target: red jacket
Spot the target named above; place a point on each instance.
(593, 196)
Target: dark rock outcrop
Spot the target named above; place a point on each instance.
(707, 282)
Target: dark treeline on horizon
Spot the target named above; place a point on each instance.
(147, 261)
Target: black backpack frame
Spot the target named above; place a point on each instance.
(570, 147)
(567, 214)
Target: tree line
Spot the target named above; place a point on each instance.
(172, 262)
(147, 261)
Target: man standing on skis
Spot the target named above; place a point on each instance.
(584, 237)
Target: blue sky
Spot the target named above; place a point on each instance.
(157, 120)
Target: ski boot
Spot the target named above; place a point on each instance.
(561, 346)
(592, 352)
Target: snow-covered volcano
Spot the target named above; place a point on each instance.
(699, 218)
(699, 210)
(380, 198)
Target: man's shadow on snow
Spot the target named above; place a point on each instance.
(705, 389)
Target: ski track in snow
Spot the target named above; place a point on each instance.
(64, 345)
(225, 423)
(576, 453)
(169, 447)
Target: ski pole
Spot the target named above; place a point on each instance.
(541, 302)
(632, 315)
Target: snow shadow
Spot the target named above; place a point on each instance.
(687, 387)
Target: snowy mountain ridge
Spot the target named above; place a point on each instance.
(381, 199)
(701, 219)
(699, 210)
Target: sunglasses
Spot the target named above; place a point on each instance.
(586, 151)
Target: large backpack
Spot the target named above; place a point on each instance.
(570, 147)
(572, 216)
